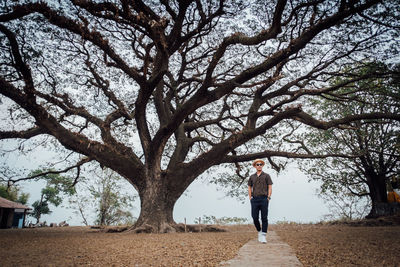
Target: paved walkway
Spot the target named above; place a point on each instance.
(256, 254)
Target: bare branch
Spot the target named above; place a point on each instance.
(290, 155)
(343, 123)
(76, 166)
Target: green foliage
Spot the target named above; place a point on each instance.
(57, 186)
(13, 193)
(40, 208)
(59, 183)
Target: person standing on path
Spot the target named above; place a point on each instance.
(260, 190)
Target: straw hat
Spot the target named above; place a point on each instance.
(258, 160)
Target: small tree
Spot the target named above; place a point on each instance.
(80, 205)
(111, 203)
(56, 186)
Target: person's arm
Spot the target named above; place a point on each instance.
(250, 192)
(269, 191)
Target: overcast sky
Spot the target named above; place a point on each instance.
(293, 198)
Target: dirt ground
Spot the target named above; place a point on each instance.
(82, 246)
(315, 245)
(363, 243)
(344, 245)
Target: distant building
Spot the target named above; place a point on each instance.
(12, 214)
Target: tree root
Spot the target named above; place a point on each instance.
(166, 228)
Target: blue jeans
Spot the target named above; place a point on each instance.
(260, 204)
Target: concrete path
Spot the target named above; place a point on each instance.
(256, 254)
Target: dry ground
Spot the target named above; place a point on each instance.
(364, 243)
(315, 245)
(78, 246)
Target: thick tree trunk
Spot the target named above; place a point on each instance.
(156, 209)
(378, 194)
(156, 215)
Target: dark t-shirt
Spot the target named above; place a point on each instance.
(260, 184)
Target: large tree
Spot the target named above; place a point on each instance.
(374, 145)
(161, 91)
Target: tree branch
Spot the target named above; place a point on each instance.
(271, 153)
(26, 134)
(343, 123)
(78, 28)
(78, 165)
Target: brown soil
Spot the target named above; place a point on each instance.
(77, 246)
(315, 245)
(362, 243)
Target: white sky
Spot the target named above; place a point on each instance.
(293, 198)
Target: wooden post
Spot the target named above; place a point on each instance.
(200, 224)
(185, 225)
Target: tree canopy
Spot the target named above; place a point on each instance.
(161, 91)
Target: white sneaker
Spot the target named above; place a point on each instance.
(259, 236)
(263, 237)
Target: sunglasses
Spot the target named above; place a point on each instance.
(259, 164)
